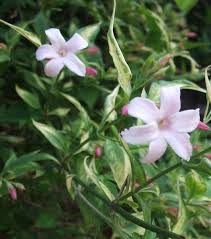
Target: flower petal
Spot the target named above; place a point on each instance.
(46, 52)
(140, 134)
(185, 121)
(55, 37)
(180, 143)
(156, 149)
(53, 67)
(76, 43)
(75, 65)
(143, 109)
(170, 100)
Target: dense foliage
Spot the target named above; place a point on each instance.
(65, 170)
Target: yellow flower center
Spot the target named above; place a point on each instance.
(62, 53)
(163, 123)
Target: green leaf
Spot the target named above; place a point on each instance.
(124, 73)
(11, 139)
(156, 29)
(110, 105)
(186, 5)
(77, 105)
(154, 92)
(55, 137)
(181, 224)
(203, 166)
(69, 179)
(118, 161)
(208, 84)
(61, 112)
(16, 167)
(28, 35)
(46, 220)
(90, 32)
(23, 169)
(29, 98)
(92, 174)
(4, 56)
(195, 184)
(147, 218)
(13, 162)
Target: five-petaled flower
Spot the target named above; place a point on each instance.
(162, 126)
(61, 53)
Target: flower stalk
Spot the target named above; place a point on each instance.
(161, 233)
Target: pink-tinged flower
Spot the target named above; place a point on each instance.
(61, 53)
(191, 34)
(98, 151)
(203, 126)
(124, 110)
(13, 193)
(92, 50)
(91, 71)
(162, 126)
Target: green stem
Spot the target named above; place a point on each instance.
(69, 156)
(109, 222)
(55, 80)
(81, 145)
(160, 232)
(161, 174)
(103, 122)
(91, 206)
(206, 111)
(116, 134)
(150, 181)
(208, 149)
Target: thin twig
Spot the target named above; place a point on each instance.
(160, 232)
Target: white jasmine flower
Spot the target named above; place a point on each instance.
(162, 126)
(61, 53)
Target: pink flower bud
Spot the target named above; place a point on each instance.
(2, 45)
(13, 193)
(91, 71)
(124, 110)
(98, 151)
(196, 147)
(173, 211)
(207, 156)
(203, 126)
(181, 45)
(92, 50)
(191, 34)
(165, 60)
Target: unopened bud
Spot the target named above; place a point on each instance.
(92, 50)
(203, 126)
(191, 34)
(196, 147)
(13, 193)
(181, 45)
(2, 45)
(98, 151)
(173, 211)
(124, 110)
(165, 60)
(207, 156)
(91, 71)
